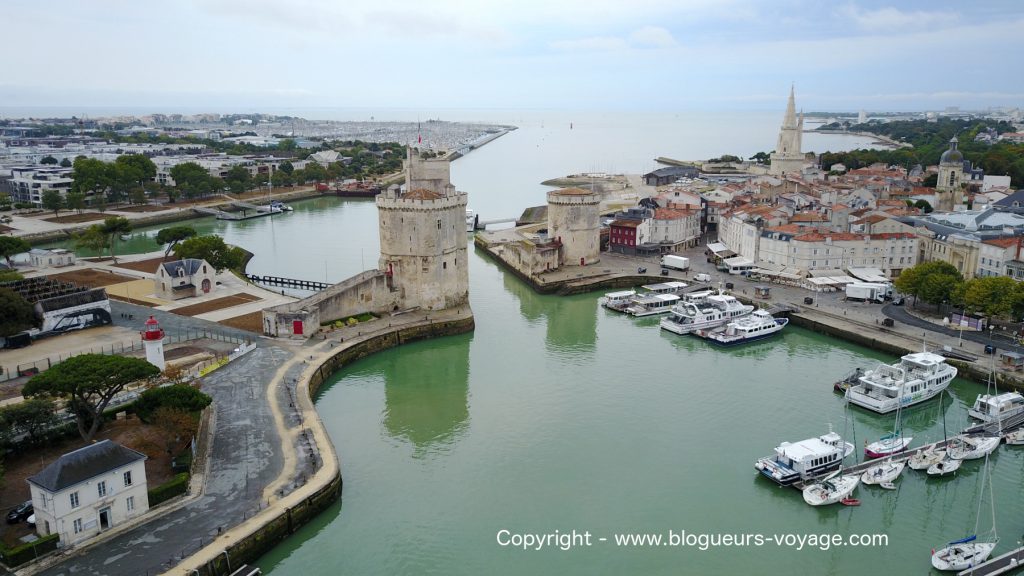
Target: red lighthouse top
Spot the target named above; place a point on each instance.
(153, 331)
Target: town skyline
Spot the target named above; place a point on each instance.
(225, 54)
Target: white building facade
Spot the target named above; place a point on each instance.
(89, 491)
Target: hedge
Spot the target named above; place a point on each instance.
(30, 550)
(174, 487)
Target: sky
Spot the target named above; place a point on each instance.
(657, 55)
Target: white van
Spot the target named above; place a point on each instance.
(702, 277)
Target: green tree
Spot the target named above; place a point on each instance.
(286, 145)
(281, 178)
(315, 172)
(137, 195)
(238, 179)
(75, 201)
(192, 179)
(89, 382)
(913, 281)
(939, 288)
(286, 167)
(49, 160)
(33, 417)
(16, 313)
(924, 206)
(114, 227)
(930, 181)
(993, 296)
(212, 249)
(53, 200)
(91, 175)
(92, 238)
(171, 236)
(9, 246)
(65, 163)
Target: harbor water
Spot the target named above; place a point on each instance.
(557, 415)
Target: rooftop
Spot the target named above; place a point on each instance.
(85, 463)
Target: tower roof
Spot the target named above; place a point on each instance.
(572, 192)
(421, 194)
(952, 155)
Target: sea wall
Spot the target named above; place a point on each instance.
(283, 522)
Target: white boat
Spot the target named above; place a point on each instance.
(944, 467)
(672, 287)
(885, 472)
(699, 297)
(805, 459)
(471, 221)
(887, 485)
(915, 378)
(972, 448)
(887, 445)
(759, 324)
(278, 206)
(972, 550)
(642, 305)
(830, 491)
(617, 301)
(996, 407)
(717, 309)
(1015, 438)
(926, 458)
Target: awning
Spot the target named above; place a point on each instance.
(869, 274)
(720, 250)
(827, 273)
(738, 261)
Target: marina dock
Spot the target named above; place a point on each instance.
(257, 211)
(1009, 562)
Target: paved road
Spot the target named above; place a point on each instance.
(900, 314)
(245, 458)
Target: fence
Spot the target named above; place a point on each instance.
(43, 364)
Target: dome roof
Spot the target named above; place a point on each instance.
(952, 156)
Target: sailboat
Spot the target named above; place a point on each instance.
(932, 455)
(833, 488)
(970, 551)
(890, 443)
(885, 472)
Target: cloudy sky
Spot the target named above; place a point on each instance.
(582, 54)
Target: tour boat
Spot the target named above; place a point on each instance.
(885, 472)
(926, 458)
(717, 310)
(945, 467)
(997, 407)
(759, 324)
(915, 378)
(805, 459)
(831, 491)
(970, 551)
(650, 305)
(887, 445)
(617, 301)
(972, 448)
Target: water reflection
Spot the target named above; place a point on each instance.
(572, 323)
(426, 393)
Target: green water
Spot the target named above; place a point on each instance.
(558, 415)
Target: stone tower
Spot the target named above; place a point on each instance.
(948, 190)
(787, 158)
(574, 220)
(423, 238)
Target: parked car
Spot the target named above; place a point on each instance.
(20, 513)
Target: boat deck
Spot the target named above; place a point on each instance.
(1009, 562)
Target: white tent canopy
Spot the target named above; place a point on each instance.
(869, 274)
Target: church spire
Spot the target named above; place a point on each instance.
(790, 120)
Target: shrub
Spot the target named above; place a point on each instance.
(30, 550)
(177, 396)
(174, 487)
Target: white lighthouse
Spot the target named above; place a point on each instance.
(153, 339)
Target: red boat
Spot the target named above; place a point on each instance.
(850, 502)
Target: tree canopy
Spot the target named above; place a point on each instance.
(192, 179)
(33, 417)
(212, 249)
(994, 296)
(113, 228)
(53, 200)
(10, 246)
(171, 236)
(933, 282)
(88, 383)
(16, 313)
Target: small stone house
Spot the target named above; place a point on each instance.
(42, 258)
(184, 279)
(89, 491)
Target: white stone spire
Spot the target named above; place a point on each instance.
(788, 157)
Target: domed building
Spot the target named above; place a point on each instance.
(948, 188)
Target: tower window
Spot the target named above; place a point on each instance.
(444, 265)
(439, 224)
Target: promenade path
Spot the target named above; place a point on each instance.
(260, 458)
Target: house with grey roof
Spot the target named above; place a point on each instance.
(183, 279)
(89, 491)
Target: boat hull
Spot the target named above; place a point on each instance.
(882, 449)
(962, 556)
(723, 340)
(885, 407)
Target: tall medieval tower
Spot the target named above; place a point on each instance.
(787, 158)
(423, 238)
(948, 189)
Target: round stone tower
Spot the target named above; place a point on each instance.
(574, 220)
(423, 239)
